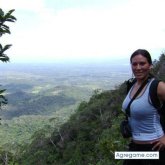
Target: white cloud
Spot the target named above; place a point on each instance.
(85, 32)
(34, 5)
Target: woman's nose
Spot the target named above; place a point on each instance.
(138, 66)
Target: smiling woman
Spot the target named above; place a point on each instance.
(144, 120)
(141, 64)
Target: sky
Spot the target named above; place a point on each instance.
(83, 30)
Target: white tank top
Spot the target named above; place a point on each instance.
(144, 120)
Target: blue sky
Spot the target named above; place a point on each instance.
(84, 30)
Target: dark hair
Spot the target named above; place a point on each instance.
(144, 53)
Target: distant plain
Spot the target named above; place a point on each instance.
(38, 93)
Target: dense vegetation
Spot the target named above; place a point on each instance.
(90, 136)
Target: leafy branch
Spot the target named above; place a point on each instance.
(8, 17)
(5, 29)
(3, 100)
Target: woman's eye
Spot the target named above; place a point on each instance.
(142, 63)
(134, 64)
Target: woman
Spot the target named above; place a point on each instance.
(147, 133)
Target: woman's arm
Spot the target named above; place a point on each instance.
(161, 91)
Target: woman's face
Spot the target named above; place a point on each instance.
(140, 67)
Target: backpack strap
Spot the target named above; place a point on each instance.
(153, 94)
(130, 83)
(160, 106)
(135, 95)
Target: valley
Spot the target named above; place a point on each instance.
(43, 96)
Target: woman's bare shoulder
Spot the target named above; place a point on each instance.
(161, 90)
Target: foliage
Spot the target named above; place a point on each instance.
(87, 137)
(159, 67)
(3, 100)
(4, 28)
(8, 17)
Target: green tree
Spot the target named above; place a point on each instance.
(4, 29)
